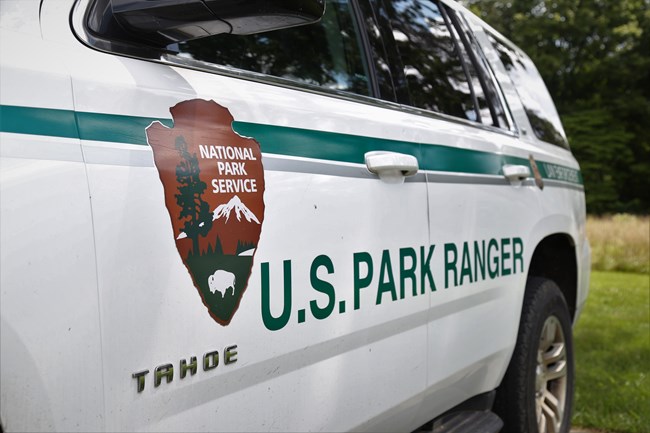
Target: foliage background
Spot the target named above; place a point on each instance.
(594, 56)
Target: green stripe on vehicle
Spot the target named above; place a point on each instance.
(71, 124)
(279, 140)
(351, 148)
(116, 128)
(559, 172)
(38, 121)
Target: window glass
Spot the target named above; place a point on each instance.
(326, 54)
(532, 91)
(492, 113)
(433, 67)
(480, 101)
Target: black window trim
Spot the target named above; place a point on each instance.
(368, 49)
(396, 66)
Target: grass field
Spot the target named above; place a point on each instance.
(612, 346)
(620, 243)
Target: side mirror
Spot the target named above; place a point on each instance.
(164, 22)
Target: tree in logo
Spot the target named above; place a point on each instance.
(194, 210)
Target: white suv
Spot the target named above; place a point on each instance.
(282, 215)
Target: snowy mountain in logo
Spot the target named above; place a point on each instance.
(225, 210)
(240, 209)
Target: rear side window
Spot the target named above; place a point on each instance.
(498, 112)
(327, 54)
(481, 102)
(433, 67)
(442, 63)
(532, 91)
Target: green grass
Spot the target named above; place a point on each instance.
(612, 351)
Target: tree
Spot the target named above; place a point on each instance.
(594, 56)
(600, 143)
(194, 211)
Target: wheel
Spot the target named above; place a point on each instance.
(536, 394)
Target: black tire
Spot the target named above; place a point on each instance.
(526, 399)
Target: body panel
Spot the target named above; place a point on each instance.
(52, 375)
(407, 334)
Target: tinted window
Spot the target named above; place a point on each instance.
(327, 54)
(480, 101)
(484, 82)
(532, 91)
(432, 63)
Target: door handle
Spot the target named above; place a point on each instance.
(391, 167)
(516, 173)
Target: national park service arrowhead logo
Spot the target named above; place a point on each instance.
(214, 186)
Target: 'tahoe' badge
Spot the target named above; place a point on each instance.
(214, 191)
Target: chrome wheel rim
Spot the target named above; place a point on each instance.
(551, 377)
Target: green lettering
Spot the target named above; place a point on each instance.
(517, 254)
(386, 269)
(407, 273)
(276, 323)
(493, 272)
(466, 267)
(359, 282)
(505, 255)
(323, 287)
(425, 270)
(450, 265)
(479, 260)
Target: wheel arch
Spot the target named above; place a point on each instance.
(555, 258)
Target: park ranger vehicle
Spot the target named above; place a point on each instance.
(223, 215)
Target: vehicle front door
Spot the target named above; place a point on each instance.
(253, 273)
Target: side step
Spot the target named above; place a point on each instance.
(468, 421)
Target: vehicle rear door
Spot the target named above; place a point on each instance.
(479, 219)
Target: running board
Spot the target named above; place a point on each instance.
(468, 422)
